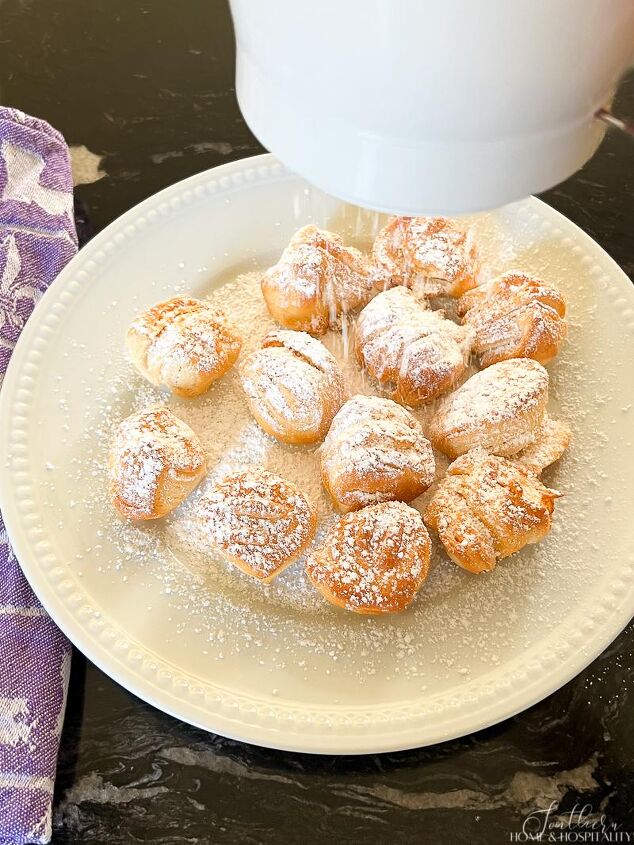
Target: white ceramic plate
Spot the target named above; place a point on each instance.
(279, 667)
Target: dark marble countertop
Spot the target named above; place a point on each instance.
(147, 89)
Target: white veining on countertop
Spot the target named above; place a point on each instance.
(94, 788)
(86, 165)
(526, 790)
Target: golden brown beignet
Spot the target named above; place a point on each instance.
(415, 353)
(258, 521)
(373, 560)
(429, 254)
(515, 316)
(552, 440)
(316, 279)
(500, 408)
(294, 386)
(375, 451)
(183, 344)
(487, 508)
(155, 462)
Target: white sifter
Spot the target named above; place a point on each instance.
(420, 106)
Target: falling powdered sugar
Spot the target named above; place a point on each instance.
(429, 254)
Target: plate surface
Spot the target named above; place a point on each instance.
(276, 666)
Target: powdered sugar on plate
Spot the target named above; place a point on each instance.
(459, 624)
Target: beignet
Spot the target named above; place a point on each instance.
(487, 508)
(258, 521)
(375, 451)
(429, 254)
(316, 279)
(294, 386)
(500, 408)
(515, 316)
(413, 352)
(373, 560)
(155, 462)
(183, 344)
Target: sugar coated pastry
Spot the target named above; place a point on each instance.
(500, 408)
(552, 440)
(375, 451)
(413, 352)
(487, 508)
(183, 344)
(155, 462)
(430, 254)
(316, 279)
(293, 385)
(258, 521)
(515, 316)
(374, 560)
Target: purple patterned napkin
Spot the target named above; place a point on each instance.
(37, 238)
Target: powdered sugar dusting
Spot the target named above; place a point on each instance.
(293, 385)
(147, 447)
(487, 508)
(441, 247)
(185, 339)
(214, 618)
(515, 315)
(373, 560)
(499, 408)
(372, 448)
(287, 385)
(257, 519)
(430, 254)
(316, 279)
(414, 352)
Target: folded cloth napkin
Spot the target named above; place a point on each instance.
(37, 238)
